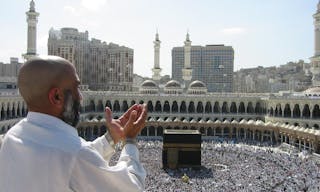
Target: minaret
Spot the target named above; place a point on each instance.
(187, 70)
(315, 60)
(32, 20)
(156, 68)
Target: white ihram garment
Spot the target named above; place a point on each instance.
(43, 153)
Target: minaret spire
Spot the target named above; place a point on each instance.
(32, 20)
(32, 6)
(187, 70)
(156, 68)
(315, 60)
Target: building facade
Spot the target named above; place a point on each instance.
(211, 64)
(101, 66)
(292, 119)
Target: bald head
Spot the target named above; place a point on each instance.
(40, 74)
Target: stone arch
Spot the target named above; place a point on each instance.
(125, 106)
(8, 112)
(116, 106)
(108, 104)
(225, 107)
(141, 102)
(158, 107)
(183, 107)
(216, 107)
(202, 131)
(242, 108)
(287, 111)
(199, 107)
(13, 110)
(175, 107)
(23, 111)
(233, 107)
(18, 110)
(191, 108)
(144, 132)
(150, 106)
(250, 108)
(296, 111)
(316, 112)
(152, 131)
(159, 131)
(208, 107)
(166, 107)
(133, 102)
(306, 111)
(278, 110)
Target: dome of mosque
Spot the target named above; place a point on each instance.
(173, 84)
(149, 87)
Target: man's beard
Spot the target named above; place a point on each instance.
(71, 111)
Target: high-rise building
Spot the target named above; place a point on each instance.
(212, 64)
(32, 20)
(100, 65)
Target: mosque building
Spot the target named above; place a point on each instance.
(292, 118)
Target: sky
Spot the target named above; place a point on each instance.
(262, 32)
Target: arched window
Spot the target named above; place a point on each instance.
(250, 108)
(242, 108)
(150, 106)
(233, 108)
(191, 107)
(166, 107)
(183, 107)
(225, 107)
(174, 107)
(158, 107)
(216, 108)
(124, 106)
(287, 111)
(296, 111)
(116, 106)
(208, 108)
(306, 111)
(199, 107)
(316, 112)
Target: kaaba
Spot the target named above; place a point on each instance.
(181, 148)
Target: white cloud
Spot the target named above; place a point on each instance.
(234, 30)
(93, 5)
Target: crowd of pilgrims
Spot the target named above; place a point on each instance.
(232, 166)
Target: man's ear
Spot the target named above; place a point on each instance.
(55, 96)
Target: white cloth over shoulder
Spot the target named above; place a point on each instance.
(42, 153)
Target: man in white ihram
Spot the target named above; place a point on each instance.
(43, 151)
